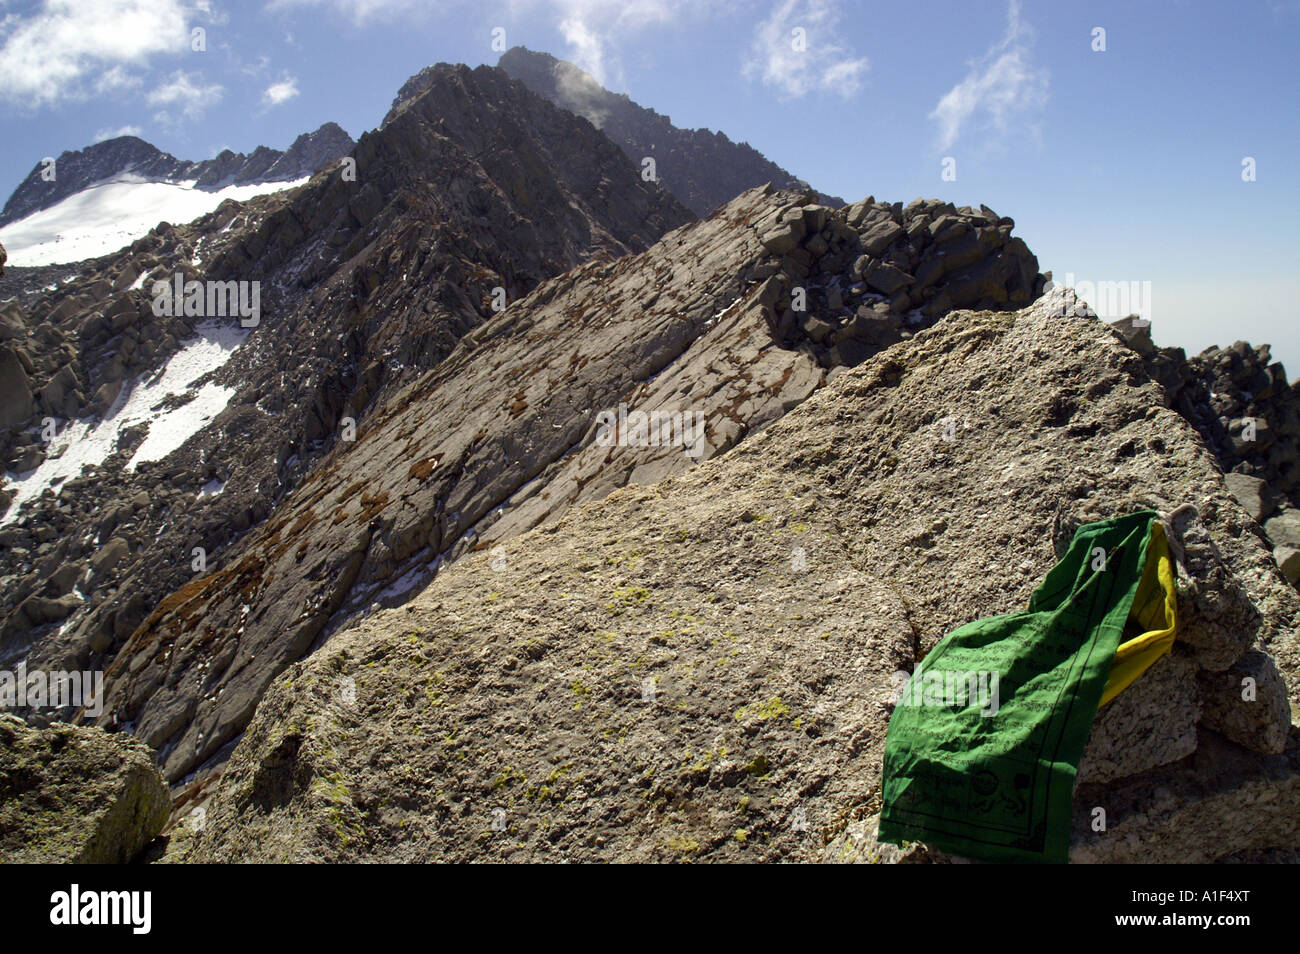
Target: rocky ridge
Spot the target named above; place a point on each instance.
(738, 319)
(1239, 400)
(366, 283)
(703, 668)
(503, 434)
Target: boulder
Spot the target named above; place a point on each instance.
(38, 611)
(61, 394)
(76, 794)
(887, 278)
(110, 555)
(16, 402)
(816, 328)
(1247, 703)
(1252, 493)
(13, 324)
(1288, 561)
(65, 578)
(1284, 529)
(1137, 332)
(880, 236)
(858, 211)
(1218, 802)
(1217, 618)
(1151, 723)
(780, 240)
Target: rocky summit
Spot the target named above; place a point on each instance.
(703, 169)
(518, 505)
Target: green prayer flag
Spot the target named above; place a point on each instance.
(986, 738)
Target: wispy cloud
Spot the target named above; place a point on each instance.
(586, 48)
(114, 133)
(67, 49)
(592, 28)
(797, 51)
(280, 92)
(184, 93)
(1001, 89)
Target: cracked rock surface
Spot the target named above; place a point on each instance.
(704, 668)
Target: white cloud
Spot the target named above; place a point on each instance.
(587, 49)
(280, 92)
(210, 13)
(115, 80)
(823, 64)
(1001, 89)
(591, 28)
(58, 51)
(114, 133)
(182, 92)
(258, 69)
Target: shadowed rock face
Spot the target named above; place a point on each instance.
(505, 434)
(367, 281)
(704, 668)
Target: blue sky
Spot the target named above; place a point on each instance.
(1122, 165)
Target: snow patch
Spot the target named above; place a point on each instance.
(212, 488)
(85, 442)
(111, 215)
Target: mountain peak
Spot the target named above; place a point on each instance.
(704, 169)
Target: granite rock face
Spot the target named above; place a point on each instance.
(704, 668)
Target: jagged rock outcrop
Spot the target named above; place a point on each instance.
(366, 281)
(1240, 401)
(76, 794)
(130, 155)
(703, 169)
(504, 434)
(704, 668)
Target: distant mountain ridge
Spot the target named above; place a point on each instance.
(123, 155)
